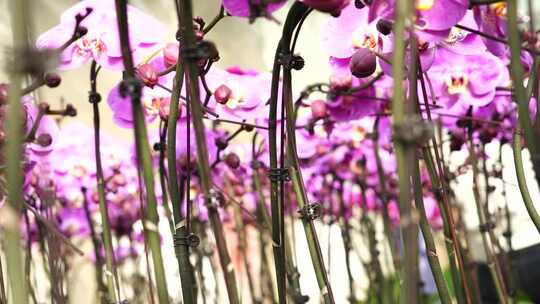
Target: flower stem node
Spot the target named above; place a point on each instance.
(131, 87)
(413, 131)
(311, 211)
(94, 97)
(191, 240)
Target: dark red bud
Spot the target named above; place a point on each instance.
(359, 4)
(318, 108)
(222, 94)
(363, 63)
(148, 74)
(232, 160)
(332, 7)
(384, 26)
(221, 143)
(170, 54)
(44, 140)
(52, 80)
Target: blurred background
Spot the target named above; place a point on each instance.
(252, 46)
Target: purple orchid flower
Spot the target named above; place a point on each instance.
(101, 42)
(249, 92)
(469, 81)
(252, 8)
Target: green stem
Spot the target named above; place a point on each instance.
(492, 262)
(163, 126)
(3, 298)
(111, 274)
(189, 286)
(522, 183)
(403, 156)
(437, 175)
(385, 197)
(298, 10)
(291, 271)
(144, 160)
(275, 187)
(188, 36)
(520, 92)
(13, 156)
(431, 250)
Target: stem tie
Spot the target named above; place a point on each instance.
(311, 211)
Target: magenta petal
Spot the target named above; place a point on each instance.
(444, 14)
(240, 8)
(337, 34)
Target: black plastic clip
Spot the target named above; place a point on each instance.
(214, 199)
(486, 227)
(191, 240)
(292, 61)
(311, 211)
(278, 174)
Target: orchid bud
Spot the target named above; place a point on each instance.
(359, 4)
(384, 26)
(52, 80)
(363, 63)
(318, 109)
(222, 94)
(333, 7)
(340, 82)
(170, 54)
(232, 160)
(44, 140)
(164, 109)
(148, 74)
(70, 110)
(221, 143)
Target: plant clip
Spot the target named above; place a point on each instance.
(292, 61)
(486, 227)
(191, 240)
(278, 174)
(214, 199)
(311, 211)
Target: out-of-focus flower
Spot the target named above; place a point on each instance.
(333, 7)
(252, 8)
(101, 42)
